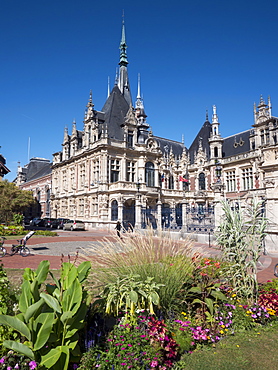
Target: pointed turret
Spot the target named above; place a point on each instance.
(122, 80)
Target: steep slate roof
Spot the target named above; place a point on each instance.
(236, 144)
(166, 145)
(46, 170)
(115, 109)
(36, 168)
(203, 134)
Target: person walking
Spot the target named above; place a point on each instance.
(118, 228)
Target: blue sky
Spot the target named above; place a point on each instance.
(190, 55)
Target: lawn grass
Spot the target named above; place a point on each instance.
(255, 350)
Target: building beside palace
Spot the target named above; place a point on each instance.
(36, 177)
(116, 168)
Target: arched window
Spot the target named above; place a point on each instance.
(149, 174)
(114, 210)
(202, 181)
(215, 152)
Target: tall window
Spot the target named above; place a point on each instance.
(81, 207)
(96, 170)
(115, 170)
(65, 179)
(247, 178)
(262, 137)
(202, 181)
(82, 173)
(149, 174)
(231, 180)
(130, 171)
(114, 210)
(171, 182)
(130, 139)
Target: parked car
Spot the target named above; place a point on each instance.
(61, 222)
(50, 222)
(74, 225)
(36, 222)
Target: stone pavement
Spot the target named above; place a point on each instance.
(69, 243)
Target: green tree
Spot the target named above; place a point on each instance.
(13, 200)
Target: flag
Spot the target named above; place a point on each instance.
(162, 177)
(183, 179)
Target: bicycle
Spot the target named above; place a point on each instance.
(3, 250)
(276, 270)
(21, 247)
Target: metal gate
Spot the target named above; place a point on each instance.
(200, 220)
(149, 217)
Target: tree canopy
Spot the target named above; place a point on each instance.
(13, 200)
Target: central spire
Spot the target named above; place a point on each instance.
(123, 82)
(123, 47)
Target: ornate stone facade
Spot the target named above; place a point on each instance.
(115, 168)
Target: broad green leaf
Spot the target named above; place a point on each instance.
(51, 358)
(72, 297)
(68, 274)
(209, 303)
(26, 298)
(219, 295)
(44, 323)
(42, 271)
(33, 310)
(133, 296)
(51, 302)
(155, 298)
(70, 334)
(66, 316)
(56, 281)
(19, 347)
(83, 270)
(16, 324)
(197, 300)
(195, 289)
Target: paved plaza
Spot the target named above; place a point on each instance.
(68, 244)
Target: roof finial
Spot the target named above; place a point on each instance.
(138, 90)
(108, 87)
(207, 117)
(269, 106)
(123, 47)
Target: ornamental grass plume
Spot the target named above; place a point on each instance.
(169, 262)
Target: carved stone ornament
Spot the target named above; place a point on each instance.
(269, 183)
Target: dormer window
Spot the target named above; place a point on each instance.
(130, 139)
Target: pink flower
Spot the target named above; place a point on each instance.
(154, 363)
(32, 365)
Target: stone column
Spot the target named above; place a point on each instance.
(184, 218)
(120, 209)
(218, 197)
(138, 214)
(159, 206)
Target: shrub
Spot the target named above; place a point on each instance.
(241, 235)
(167, 261)
(146, 344)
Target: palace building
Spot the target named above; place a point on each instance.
(116, 168)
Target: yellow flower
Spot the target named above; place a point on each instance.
(237, 345)
(221, 332)
(222, 326)
(233, 295)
